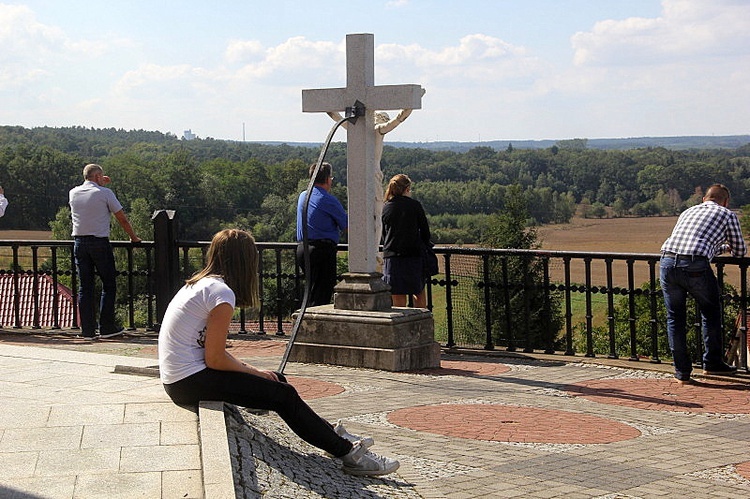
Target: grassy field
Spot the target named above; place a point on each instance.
(25, 235)
(616, 235)
(6, 252)
(621, 235)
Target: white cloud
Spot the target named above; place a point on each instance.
(471, 50)
(277, 64)
(152, 79)
(477, 60)
(298, 52)
(687, 29)
(243, 50)
(20, 32)
(33, 52)
(685, 70)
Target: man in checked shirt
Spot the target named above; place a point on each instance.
(701, 232)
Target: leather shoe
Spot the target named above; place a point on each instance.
(720, 369)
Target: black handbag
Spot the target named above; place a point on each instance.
(430, 261)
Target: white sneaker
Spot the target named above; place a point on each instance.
(362, 462)
(341, 431)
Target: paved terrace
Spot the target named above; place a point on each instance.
(88, 420)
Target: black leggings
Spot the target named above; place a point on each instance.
(255, 392)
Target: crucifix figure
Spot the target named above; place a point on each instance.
(364, 142)
(383, 125)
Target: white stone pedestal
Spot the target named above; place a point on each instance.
(391, 339)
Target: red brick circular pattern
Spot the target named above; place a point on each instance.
(507, 423)
(667, 395)
(464, 368)
(743, 469)
(314, 389)
(245, 348)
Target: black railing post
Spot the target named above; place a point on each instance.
(56, 296)
(150, 288)
(16, 289)
(451, 341)
(488, 343)
(506, 304)
(243, 327)
(551, 335)
(722, 305)
(631, 312)
(35, 286)
(589, 312)
(568, 309)
(611, 311)
(653, 312)
(131, 288)
(527, 287)
(74, 285)
(167, 279)
(279, 299)
(262, 306)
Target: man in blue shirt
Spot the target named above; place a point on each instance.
(326, 218)
(701, 232)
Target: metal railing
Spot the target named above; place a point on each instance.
(590, 303)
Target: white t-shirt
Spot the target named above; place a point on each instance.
(183, 331)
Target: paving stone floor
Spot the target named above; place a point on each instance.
(482, 426)
(516, 427)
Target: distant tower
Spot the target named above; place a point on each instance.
(188, 135)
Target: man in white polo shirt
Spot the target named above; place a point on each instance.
(91, 206)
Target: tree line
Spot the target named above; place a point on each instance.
(215, 183)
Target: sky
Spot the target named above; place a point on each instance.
(491, 69)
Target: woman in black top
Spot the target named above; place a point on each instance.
(405, 234)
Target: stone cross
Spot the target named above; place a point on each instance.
(361, 140)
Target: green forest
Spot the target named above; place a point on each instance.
(216, 183)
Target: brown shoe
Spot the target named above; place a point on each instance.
(684, 382)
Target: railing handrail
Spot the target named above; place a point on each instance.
(453, 249)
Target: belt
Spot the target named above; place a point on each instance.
(669, 254)
(89, 237)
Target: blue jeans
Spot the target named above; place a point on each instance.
(94, 254)
(694, 276)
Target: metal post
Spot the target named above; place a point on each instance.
(167, 278)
